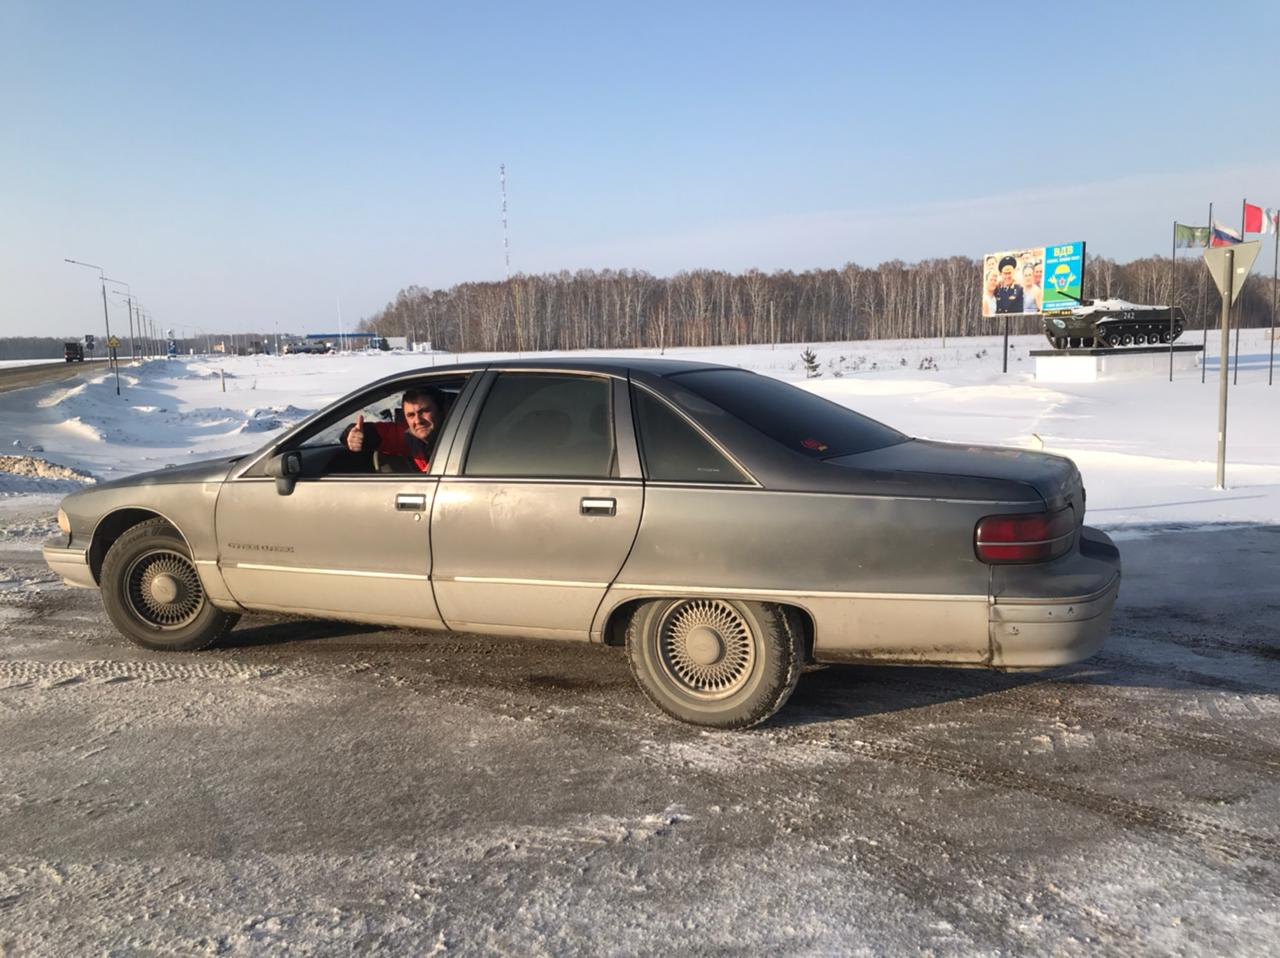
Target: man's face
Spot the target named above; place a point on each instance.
(1006, 276)
(420, 417)
(1039, 271)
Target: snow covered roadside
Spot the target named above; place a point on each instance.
(1147, 447)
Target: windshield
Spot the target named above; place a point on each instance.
(801, 421)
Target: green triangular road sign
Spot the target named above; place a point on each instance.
(1242, 261)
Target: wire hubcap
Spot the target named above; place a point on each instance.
(164, 590)
(706, 648)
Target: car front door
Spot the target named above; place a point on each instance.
(344, 543)
(537, 512)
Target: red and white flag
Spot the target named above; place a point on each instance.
(1271, 221)
(1253, 222)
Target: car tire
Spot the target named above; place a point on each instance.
(715, 662)
(153, 595)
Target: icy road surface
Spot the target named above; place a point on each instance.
(326, 788)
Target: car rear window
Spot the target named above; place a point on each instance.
(801, 421)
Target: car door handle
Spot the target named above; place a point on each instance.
(407, 502)
(599, 507)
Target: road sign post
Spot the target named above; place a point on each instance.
(1229, 266)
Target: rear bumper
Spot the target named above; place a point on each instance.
(1041, 632)
(71, 564)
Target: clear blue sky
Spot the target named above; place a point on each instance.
(244, 165)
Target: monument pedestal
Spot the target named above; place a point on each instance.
(1097, 365)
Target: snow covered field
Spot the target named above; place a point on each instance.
(1147, 447)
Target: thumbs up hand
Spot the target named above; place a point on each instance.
(355, 437)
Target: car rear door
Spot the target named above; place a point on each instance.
(538, 510)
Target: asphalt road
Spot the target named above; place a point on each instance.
(320, 787)
(19, 377)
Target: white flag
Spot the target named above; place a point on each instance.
(1271, 220)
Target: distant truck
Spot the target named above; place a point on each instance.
(73, 352)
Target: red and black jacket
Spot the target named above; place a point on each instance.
(393, 439)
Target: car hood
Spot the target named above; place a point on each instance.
(206, 470)
(1054, 478)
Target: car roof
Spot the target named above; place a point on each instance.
(618, 365)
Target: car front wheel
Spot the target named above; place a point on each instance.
(715, 662)
(153, 594)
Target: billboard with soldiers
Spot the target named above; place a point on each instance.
(1014, 281)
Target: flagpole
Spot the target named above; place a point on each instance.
(1173, 292)
(1203, 320)
(1235, 374)
(1275, 275)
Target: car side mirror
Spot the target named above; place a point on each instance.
(285, 468)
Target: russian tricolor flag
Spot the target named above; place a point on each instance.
(1223, 235)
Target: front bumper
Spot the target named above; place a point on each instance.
(1030, 631)
(71, 564)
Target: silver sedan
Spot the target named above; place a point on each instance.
(724, 527)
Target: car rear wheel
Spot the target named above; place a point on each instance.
(715, 662)
(153, 595)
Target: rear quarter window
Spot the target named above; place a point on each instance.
(673, 451)
(804, 423)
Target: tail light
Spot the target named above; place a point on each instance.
(1027, 537)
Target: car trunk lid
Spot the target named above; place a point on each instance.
(1054, 478)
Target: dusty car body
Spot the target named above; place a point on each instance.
(725, 527)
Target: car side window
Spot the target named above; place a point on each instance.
(385, 408)
(322, 443)
(544, 425)
(672, 450)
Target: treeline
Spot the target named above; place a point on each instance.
(50, 347)
(33, 347)
(615, 309)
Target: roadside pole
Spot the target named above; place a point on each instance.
(106, 317)
(1227, 299)
(1204, 322)
(1229, 266)
(1173, 294)
(1275, 275)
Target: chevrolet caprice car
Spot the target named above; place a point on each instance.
(724, 527)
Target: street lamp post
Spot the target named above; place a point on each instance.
(129, 306)
(138, 313)
(106, 318)
(144, 341)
